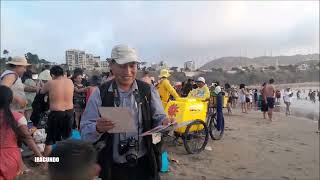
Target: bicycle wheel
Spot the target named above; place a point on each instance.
(215, 134)
(195, 137)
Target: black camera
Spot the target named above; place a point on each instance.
(130, 148)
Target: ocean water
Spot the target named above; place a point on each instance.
(304, 106)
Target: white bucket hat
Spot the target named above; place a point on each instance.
(19, 61)
(124, 54)
(45, 75)
(201, 79)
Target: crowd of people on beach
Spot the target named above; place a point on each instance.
(66, 105)
(312, 95)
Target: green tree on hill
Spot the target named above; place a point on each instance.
(5, 52)
(34, 59)
(4, 60)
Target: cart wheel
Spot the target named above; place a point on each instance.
(195, 139)
(213, 130)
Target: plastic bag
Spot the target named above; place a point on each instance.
(40, 136)
(41, 147)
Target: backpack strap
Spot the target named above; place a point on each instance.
(145, 94)
(144, 89)
(105, 143)
(9, 74)
(106, 96)
(155, 149)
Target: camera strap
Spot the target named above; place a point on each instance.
(117, 103)
(116, 100)
(116, 94)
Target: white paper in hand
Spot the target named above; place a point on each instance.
(121, 116)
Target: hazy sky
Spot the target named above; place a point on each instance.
(172, 31)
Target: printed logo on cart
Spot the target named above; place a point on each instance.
(46, 159)
(173, 110)
(194, 108)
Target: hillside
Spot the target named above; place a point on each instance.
(227, 63)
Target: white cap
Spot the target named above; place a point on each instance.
(201, 79)
(45, 75)
(124, 54)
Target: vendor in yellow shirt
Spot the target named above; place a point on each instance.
(165, 89)
(202, 92)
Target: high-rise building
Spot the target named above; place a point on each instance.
(89, 59)
(79, 59)
(104, 64)
(96, 60)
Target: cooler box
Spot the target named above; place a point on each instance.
(187, 109)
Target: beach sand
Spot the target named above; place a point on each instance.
(252, 148)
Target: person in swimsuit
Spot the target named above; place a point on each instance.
(264, 106)
(60, 118)
(270, 97)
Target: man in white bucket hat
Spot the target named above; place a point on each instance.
(12, 79)
(145, 106)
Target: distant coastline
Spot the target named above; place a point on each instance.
(305, 85)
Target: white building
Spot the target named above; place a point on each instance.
(96, 59)
(104, 64)
(79, 59)
(190, 65)
(89, 60)
(159, 66)
(303, 67)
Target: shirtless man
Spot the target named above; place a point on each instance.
(269, 93)
(60, 119)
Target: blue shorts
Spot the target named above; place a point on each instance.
(270, 102)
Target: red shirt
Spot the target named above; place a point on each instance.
(9, 151)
